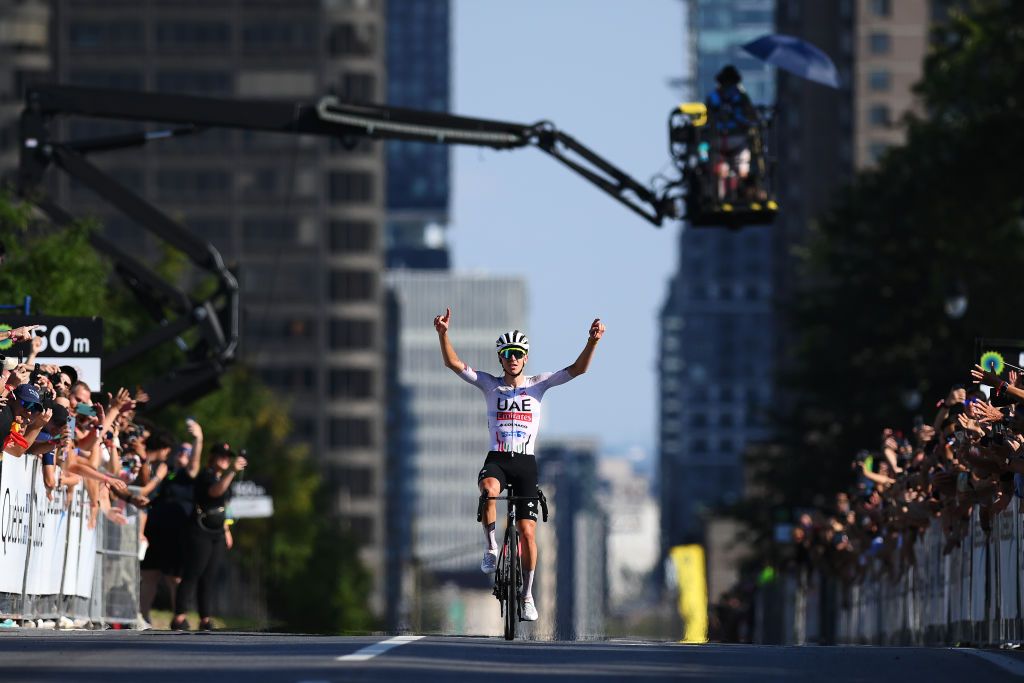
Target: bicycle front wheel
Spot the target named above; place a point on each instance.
(511, 599)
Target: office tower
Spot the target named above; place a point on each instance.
(439, 423)
(715, 356)
(301, 217)
(577, 534)
(419, 73)
(826, 135)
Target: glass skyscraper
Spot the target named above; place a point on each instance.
(418, 62)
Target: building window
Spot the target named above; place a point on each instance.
(350, 186)
(881, 8)
(879, 116)
(357, 480)
(876, 150)
(192, 82)
(263, 331)
(880, 80)
(352, 40)
(347, 237)
(290, 380)
(351, 383)
(193, 35)
(348, 432)
(353, 285)
(279, 36)
(117, 79)
(362, 528)
(359, 87)
(105, 36)
(351, 334)
(880, 43)
(183, 184)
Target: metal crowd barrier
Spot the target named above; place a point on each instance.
(973, 594)
(52, 564)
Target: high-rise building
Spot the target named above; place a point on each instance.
(632, 545)
(419, 74)
(301, 217)
(439, 423)
(715, 357)
(572, 567)
(825, 135)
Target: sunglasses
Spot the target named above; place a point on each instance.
(31, 406)
(512, 353)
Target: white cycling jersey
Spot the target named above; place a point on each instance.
(513, 413)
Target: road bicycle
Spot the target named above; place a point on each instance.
(508, 579)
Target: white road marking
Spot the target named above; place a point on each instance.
(1006, 663)
(371, 651)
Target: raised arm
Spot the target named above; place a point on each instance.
(583, 362)
(197, 448)
(451, 359)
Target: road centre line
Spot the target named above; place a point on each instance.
(1005, 662)
(371, 651)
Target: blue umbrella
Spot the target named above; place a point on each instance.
(795, 56)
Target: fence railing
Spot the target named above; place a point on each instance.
(53, 562)
(972, 594)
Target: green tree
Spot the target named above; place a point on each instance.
(313, 579)
(941, 211)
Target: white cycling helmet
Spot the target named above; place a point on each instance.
(513, 340)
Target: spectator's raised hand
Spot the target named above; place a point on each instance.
(983, 376)
(240, 463)
(23, 333)
(195, 429)
(19, 375)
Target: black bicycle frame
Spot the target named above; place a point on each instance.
(508, 576)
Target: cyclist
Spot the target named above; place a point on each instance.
(513, 419)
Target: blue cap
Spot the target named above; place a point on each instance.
(27, 393)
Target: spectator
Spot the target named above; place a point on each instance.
(208, 537)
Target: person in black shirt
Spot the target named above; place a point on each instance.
(206, 539)
(168, 519)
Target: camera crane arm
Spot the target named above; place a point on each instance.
(218, 318)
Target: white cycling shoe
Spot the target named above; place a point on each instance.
(489, 564)
(530, 611)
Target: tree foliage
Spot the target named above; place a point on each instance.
(874, 345)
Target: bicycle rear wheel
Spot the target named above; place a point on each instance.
(511, 598)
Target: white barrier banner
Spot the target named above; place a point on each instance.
(15, 506)
(1009, 541)
(49, 534)
(979, 576)
(75, 526)
(86, 555)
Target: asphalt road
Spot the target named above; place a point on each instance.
(152, 657)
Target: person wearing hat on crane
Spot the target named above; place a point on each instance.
(733, 120)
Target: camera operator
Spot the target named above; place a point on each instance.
(207, 536)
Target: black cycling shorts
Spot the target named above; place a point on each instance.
(517, 471)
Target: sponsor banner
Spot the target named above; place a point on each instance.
(1008, 552)
(49, 534)
(79, 504)
(15, 509)
(86, 554)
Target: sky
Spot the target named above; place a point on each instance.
(600, 70)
